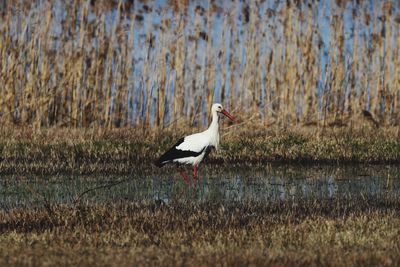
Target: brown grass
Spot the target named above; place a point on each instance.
(67, 150)
(86, 70)
(328, 233)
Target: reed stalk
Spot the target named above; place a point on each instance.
(112, 64)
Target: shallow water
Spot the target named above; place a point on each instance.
(215, 183)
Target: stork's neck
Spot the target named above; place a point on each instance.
(213, 130)
(214, 123)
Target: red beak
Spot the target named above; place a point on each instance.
(226, 113)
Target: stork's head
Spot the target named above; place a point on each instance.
(219, 109)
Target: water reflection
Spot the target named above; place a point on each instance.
(264, 184)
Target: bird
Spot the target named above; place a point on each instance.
(192, 149)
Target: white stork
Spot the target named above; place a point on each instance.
(193, 148)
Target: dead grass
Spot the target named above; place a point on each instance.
(338, 232)
(66, 150)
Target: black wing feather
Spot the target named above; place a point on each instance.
(174, 153)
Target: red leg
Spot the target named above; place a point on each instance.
(195, 171)
(184, 175)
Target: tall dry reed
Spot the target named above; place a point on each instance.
(122, 63)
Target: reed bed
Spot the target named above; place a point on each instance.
(155, 64)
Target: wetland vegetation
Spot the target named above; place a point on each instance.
(93, 91)
(85, 151)
(286, 215)
(303, 233)
(156, 64)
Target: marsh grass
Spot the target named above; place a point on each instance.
(122, 63)
(55, 150)
(338, 232)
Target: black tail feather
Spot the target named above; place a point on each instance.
(174, 153)
(159, 163)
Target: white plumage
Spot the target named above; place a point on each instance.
(193, 148)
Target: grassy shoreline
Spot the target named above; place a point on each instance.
(336, 232)
(59, 150)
